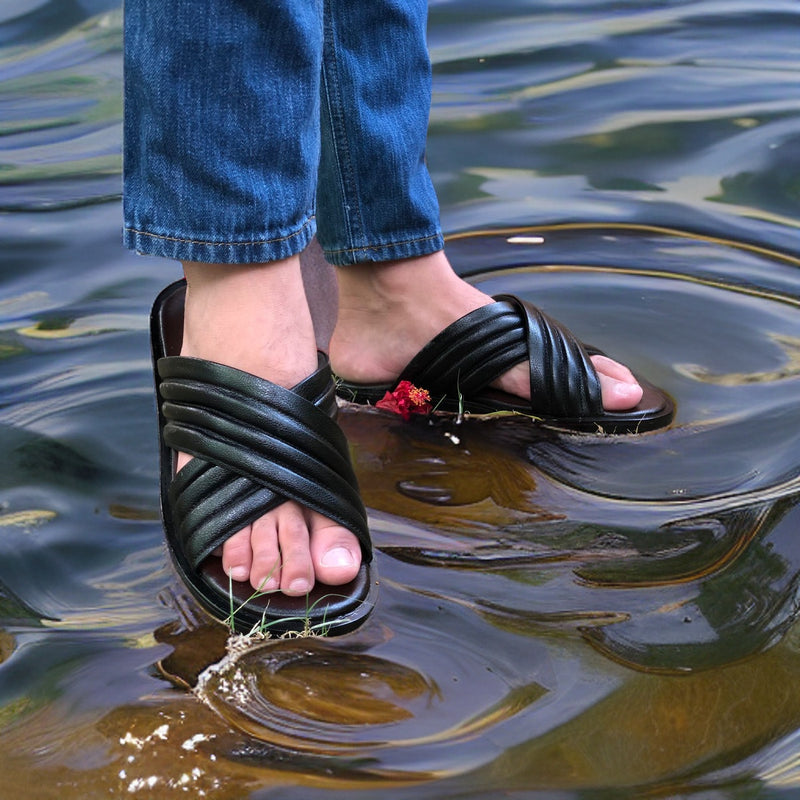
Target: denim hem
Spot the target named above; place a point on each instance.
(391, 251)
(209, 252)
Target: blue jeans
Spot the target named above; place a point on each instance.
(252, 124)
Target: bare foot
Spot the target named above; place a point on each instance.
(407, 303)
(256, 318)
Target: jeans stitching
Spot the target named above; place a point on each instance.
(221, 243)
(384, 246)
(335, 151)
(339, 138)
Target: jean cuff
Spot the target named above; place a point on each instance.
(389, 251)
(258, 250)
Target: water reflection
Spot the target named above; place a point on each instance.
(61, 109)
(508, 534)
(558, 613)
(538, 586)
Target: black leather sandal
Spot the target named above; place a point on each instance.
(457, 366)
(254, 445)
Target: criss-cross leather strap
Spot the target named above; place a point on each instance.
(476, 349)
(255, 445)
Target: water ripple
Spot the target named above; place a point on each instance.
(61, 105)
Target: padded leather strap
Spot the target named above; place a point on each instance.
(476, 349)
(255, 445)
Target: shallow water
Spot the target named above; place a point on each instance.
(560, 616)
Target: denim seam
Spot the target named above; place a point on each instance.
(222, 243)
(339, 137)
(386, 245)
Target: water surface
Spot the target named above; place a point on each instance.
(560, 616)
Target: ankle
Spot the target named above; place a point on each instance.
(388, 311)
(253, 317)
(389, 283)
(247, 284)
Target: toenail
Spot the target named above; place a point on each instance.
(625, 389)
(299, 586)
(338, 557)
(239, 573)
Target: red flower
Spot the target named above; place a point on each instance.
(406, 400)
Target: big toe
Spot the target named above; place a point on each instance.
(619, 389)
(335, 552)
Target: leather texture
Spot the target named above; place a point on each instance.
(254, 445)
(458, 365)
(476, 349)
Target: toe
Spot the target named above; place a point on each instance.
(613, 369)
(297, 571)
(265, 573)
(619, 388)
(335, 551)
(237, 556)
(289, 548)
